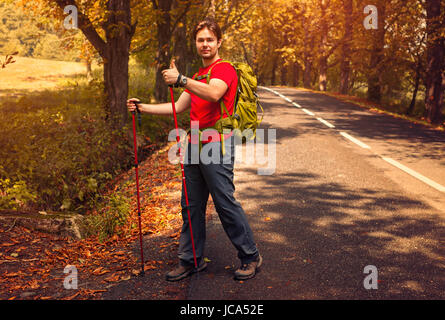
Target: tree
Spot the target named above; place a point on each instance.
(107, 26)
(345, 64)
(435, 77)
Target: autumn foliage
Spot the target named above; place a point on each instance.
(32, 261)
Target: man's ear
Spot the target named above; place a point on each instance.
(219, 43)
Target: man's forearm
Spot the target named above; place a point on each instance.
(160, 109)
(203, 90)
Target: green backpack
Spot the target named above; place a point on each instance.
(245, 116)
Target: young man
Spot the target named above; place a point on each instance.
(215, 178)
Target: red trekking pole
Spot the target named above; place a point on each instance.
(137, 183)
(183, 175)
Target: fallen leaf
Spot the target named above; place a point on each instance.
(34, 285)
(149, 267)
(13, 274)
(72, 297)
(113, 278)
(7, 244)
(100, 271)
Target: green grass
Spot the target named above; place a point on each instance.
(57, 149)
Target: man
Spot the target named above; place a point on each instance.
(214, 178)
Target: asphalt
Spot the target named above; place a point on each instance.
(331, 208)
(327, 209)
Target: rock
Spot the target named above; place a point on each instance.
(62, 224)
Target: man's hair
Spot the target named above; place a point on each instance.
(210, 24)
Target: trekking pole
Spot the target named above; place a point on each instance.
(137, 182)
(183, 175)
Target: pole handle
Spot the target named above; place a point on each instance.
(136, 103)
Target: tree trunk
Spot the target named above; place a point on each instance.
(118, 35)
(163, 55)
(323, 61)
(274, 70)
(307, 56)
(377, 55)
(307, 73)
(322, 77)
(296, 74)
(89, 69)
(416, 88)
(283, 74)
(435, 63)
(180, 50)
(114, 52)
(345, 65)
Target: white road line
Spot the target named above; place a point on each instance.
(326, 123)
(308, 112)
(356, 141)
(393, 162)
(288, 100)
(415, 174)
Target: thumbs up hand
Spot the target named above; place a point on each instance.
(172, 64)
(170, 76)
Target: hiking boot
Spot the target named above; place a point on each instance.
(182, 272)
(248, 270)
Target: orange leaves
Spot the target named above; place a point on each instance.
(113, 278)
(33, 284)
(100, 271)
(42, 257)
(8, 244)
(12, 274)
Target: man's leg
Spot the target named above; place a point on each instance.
(198, 195)
(219, 178)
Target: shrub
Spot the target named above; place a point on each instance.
(58, 147)
(113, 212)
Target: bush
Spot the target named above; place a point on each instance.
(58, 150)
(113, 213)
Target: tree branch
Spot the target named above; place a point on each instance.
(87, 28)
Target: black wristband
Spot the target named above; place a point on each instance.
(178, 81)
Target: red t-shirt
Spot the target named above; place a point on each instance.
(206, 112)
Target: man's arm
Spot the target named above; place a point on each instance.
(181, 105)
(213, 91)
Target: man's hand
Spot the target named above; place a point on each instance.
(171, 75)
(130, 104)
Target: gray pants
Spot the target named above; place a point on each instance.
(215, 179)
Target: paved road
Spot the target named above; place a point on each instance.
(333, 206)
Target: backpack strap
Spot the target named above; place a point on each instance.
(222, 104)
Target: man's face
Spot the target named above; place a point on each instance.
(207, 44)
